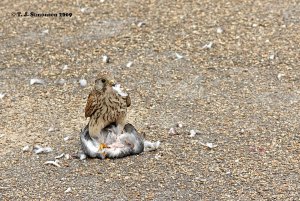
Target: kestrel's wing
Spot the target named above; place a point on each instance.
(128, 101)
(90, 107)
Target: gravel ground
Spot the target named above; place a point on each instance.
(229, 69)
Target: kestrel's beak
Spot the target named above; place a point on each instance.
(112, 82)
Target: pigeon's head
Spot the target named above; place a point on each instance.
(104, 82)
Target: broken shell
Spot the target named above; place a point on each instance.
(36, 81)
(26, 148)
(55, 163)
(192, 133)
(220, 30)
(39, 150)
(68, 190)
(2, 95)
(66, 138)
(129, 64)
(172, 131)
(208, 46)
(59, 156)
(178, 56)
(140, 24)
(209, 145)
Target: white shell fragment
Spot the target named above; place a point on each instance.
(179, 125)
(280, 75)
(151, 146)
(68, 190)
(172, 131)
(220, 30)
(40, 150)
(272, 56)
(178, 56)
(2, 95)
(83, 82)
(36, 81)
(26, 148)
(192, 133)
(209, 145)
(82, 156)
(61, 81)
(117, 88)
(52, 129)
(65, 67)
(105, 59)
(208, 46)
(129, 64)
(46, 31)
(55, 163)
(59, 156)
(66, 138)
(67, 156)
(140, 24)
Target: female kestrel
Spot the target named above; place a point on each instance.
(105, 106)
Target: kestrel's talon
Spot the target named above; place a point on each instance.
(102, 146)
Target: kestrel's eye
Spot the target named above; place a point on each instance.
(103, 80)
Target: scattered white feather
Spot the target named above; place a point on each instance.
(151, 146)
(25, 148)
(2, 95)
(192, 133)
(117, 88)
(40, 150)
(178, 56)
(280, 75)
(55, 163)
(209, 145)
(129, 64)
(140, 24)
(68, 190)
(172, 131)
(36, 81)
(66, 138)
(220, 30)
(208, 46)
(59, 156)
(83, 82)
(105, 59)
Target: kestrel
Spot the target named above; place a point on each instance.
(105, 105)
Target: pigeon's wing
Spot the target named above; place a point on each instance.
(90, 107)
(128, 101)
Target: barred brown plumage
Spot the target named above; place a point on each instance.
(105, 106)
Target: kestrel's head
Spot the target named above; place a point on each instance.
(104, 82)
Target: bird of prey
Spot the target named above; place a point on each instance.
(105, 105)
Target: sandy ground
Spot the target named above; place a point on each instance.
(229, 69)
